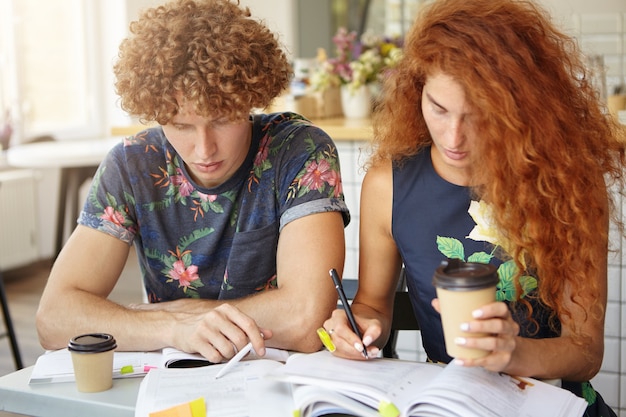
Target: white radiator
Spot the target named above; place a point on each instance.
(18, 218)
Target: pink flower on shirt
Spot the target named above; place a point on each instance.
(317, 174)
(184, 275)
(116, 217)
(207, 197)
(185, 188)
(263, 151)
(335, 181)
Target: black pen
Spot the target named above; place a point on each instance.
(346, 306)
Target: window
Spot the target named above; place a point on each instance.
(48, 67)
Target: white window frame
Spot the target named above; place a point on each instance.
(12, 76)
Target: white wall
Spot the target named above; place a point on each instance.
(565, 7)
(277, 14)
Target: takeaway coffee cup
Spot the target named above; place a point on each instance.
(92, 358)
(462, 287)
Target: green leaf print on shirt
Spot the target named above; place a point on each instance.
(486, 231)
(480, 257)
(589, 393)
(451, 248)
(505, 291)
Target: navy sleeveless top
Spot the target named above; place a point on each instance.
(431, 222)
(426, 206)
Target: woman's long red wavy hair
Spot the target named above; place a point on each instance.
(548, 147)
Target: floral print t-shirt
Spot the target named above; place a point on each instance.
(214, 243)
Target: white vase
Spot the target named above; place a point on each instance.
(356, 103)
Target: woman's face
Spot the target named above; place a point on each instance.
(449, 121)
(213, 149)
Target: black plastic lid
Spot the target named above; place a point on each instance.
(456, 275)
(92, 343)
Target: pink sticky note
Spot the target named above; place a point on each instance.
(195, 408)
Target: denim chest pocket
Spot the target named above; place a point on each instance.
(252, 262)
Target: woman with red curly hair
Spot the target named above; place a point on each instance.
(236, 216)
(492, 108)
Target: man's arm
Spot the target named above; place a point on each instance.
(75, 298)
(307, 249)
(75, 302)
(379, 268)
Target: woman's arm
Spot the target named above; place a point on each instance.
(379, 269)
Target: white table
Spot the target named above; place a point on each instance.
(64, 400)
(78, 161)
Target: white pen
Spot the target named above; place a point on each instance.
(234, 360)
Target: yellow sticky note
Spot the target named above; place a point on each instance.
(195, 408)
(198, 407)
(387, 409)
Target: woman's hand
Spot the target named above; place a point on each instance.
(347, 343)
(495, 320)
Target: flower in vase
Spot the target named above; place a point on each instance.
(357, 62)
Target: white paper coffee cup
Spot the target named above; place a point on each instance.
(92, 359)
(463, 287)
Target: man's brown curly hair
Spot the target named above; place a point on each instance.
(210, 52)
(546, 144)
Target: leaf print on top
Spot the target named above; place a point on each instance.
(589, 393)
(451, 248)
(484, 231)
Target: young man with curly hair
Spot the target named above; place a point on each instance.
(236, 217)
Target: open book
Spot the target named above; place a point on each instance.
(56, 366)
(320, 383)
(243, 391)
(387, 387)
